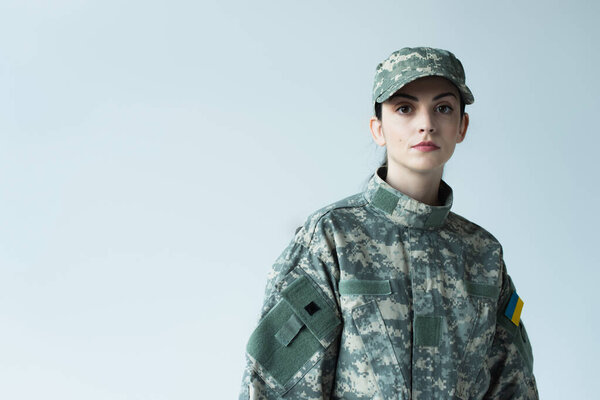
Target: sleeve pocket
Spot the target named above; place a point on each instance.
(293, 336)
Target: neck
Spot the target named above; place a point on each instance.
(421, 187)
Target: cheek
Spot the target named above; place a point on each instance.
(394, 139)
(395, 133)
(451, 130)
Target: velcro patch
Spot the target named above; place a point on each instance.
(311, 307)
(291, 337)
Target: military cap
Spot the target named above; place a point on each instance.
(411, 63)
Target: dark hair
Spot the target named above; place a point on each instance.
(378, 116)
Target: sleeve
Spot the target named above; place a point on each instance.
(510, 360)
(292, 353)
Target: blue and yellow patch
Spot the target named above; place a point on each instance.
(514, 308)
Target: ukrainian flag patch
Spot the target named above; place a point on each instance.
(513, 309)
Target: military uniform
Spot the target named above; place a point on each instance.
(381, 296)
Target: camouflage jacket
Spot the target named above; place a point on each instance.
(380, 296)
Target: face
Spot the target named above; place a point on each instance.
(425, 110)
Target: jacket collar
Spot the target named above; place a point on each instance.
(403, 209)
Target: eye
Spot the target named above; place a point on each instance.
(404, 109)
(444, 109)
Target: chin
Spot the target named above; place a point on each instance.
(427, 167)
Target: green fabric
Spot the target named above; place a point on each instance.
(501, 318)
(282, 362)
(410, 63)
(517, 333)
(380, 352)
(503, 321)
(356, 286)
(427, 330)
(289, 330)
(436, 217)
(478, 289)
(279, 344)
(520, 341)
(298, 295)
(385, 200)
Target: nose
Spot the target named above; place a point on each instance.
(425, 123)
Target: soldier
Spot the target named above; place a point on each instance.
(387, 294)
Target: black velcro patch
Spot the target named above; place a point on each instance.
(311, 308)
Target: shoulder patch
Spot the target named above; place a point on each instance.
(514, 308)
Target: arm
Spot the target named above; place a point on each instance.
(292, 353)
(510, 361)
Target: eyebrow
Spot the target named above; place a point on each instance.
(408, 96)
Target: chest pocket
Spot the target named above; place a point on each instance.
(483, 299)
(373, 332)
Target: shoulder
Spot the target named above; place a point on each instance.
(481, 252)
(312, 250)
(470, 231)
(317, 221)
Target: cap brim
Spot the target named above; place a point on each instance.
(462, 88)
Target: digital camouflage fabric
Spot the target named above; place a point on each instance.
(380, 296)
(411, 63)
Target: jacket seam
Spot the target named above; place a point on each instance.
(314, 228)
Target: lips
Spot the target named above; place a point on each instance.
(427, 144)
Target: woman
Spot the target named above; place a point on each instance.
(387, 294)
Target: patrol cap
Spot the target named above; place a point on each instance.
(411, 63)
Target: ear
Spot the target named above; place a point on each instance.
(463, 128)
(377, 131)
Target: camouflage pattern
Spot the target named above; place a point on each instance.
(420, 292)
(411, 63)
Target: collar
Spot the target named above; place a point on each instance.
(403, 209)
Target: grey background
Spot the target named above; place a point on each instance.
(156, 157)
